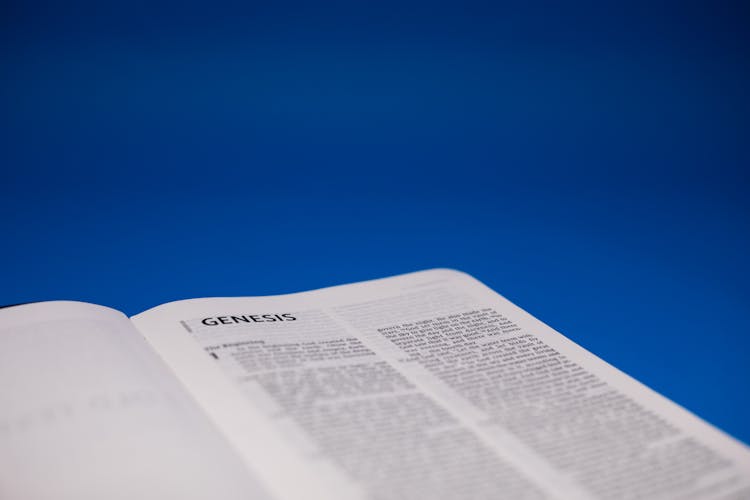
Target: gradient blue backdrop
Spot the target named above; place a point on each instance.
(589, 162)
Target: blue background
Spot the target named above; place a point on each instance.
(587, 161)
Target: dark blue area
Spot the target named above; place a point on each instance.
(589, 161)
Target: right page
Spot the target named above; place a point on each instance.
(431, 385)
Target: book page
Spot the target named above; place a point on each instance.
(431, 385)
(88, 411)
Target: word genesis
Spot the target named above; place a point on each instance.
(248, 318)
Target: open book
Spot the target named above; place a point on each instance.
(422, 386)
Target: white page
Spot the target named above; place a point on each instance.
(439, 366)
(88, 411)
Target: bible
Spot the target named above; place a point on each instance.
(424, 385)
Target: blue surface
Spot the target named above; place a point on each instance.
(588, 162)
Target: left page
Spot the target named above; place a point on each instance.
(88, 411)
